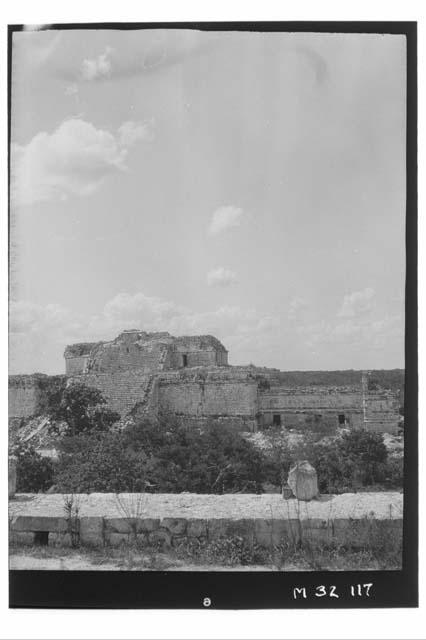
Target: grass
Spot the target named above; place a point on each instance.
(225, 553)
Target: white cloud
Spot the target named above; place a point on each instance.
(100, 67)
(71, 89)
(138, 310)
(73, 160)
(130, 132)
(27, 316)
(357, 303)
(296, 307)
(355, 333)
(225, 218)
(221, 277)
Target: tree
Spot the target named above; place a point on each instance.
(34, 473)
(82, 409)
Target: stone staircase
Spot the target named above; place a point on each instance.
(146, 406)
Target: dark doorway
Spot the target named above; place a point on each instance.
(41, 538)
(276, 420)
(185, 360)
(342, 419)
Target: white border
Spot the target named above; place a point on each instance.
(45, 624)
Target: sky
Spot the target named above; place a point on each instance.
(245, 185)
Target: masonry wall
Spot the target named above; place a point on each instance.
(382, 412)
(116, 356)
(23, 398)
(308, 420)
(238, 423)
(170, 519)
(201, 358)
(122, 389)
(27, 393)
(75, 365)
(207, 394)
(322, 406)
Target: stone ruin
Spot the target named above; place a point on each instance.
(145, 374)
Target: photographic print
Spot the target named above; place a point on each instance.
(209, 362)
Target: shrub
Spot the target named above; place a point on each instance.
(365, 452)
(392, 473)
(81, 408)
(34, 473)
(96, 462)
(162, 457)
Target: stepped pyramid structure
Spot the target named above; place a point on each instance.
(146, 374)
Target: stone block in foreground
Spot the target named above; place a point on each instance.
(303, 481)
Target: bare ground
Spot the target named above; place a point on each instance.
(127, 559)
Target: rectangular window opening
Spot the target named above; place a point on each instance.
(342, 419)
(276, 420)
(185, 360)
(41, 538)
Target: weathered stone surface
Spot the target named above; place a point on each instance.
(303, 481)
(60, 540)
(149, 524)
(129, 525)
(346, 518)
(240, 528)
(12, 475)
(275, 532)
(161, 536)
(119, 539)
(176, 526)
(193, 506)
(92, 531)
(217, 528)
(196, 528)
(27, 393)
(287, 493)
(38, 523)
(21, 537)
(122, 525)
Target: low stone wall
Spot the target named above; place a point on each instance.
(107, 519)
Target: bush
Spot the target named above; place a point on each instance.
(391, 473)
(364, 452)
(95, 462)
(81, 408)
(34, 473)
(163, 457)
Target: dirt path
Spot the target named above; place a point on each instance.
(81, 563)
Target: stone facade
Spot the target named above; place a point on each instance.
(147, 374)
(27, 393)
(144, 352)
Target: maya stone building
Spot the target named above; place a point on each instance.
(147, 374)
